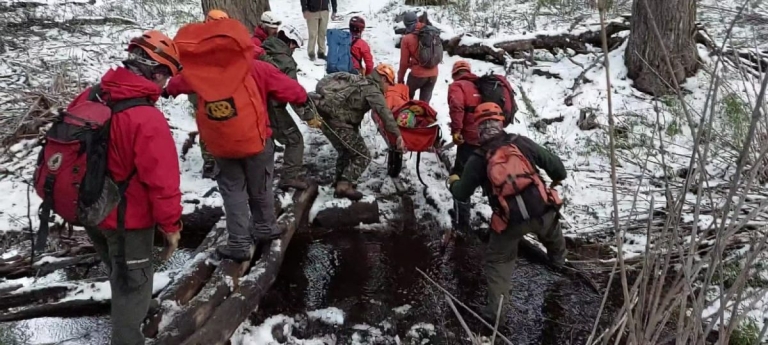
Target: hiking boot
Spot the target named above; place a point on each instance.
(295, 183)
(237, 255)
(345, 189)
(321, 56)
(311, 57)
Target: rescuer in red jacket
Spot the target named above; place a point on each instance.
(360, 51)
(140, 141)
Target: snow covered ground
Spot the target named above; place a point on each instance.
(84, 52)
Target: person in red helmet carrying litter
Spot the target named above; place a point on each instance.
(119, 149)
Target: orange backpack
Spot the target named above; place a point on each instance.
(510, 173)
(231, 115)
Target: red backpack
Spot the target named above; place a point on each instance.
(231, 115)
(510, 174)
(71, 175)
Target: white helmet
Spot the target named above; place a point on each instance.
(292, 34)
(270, 20)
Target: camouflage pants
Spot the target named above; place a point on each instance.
(286, 132)
(207, 156)
(501, 253)
(349, 144)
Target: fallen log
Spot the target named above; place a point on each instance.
(188, 285)
(194, 315)
(43, 269)
(360, 212)
(44, 295)
(69, 308)
(496, 52)
(197, 225)
(232, 312)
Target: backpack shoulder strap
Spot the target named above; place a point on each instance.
(129, 103)
(121, 105)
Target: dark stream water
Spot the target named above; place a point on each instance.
(372, 278)
(369, 275)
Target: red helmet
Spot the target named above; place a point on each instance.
(356, 24)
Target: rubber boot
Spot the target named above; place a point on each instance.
(345, 189)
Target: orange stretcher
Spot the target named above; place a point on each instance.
(417, 122)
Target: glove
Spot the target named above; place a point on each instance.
(400, 144)
(315, 123)
(451, 179)
(458, 139)
(171, 242)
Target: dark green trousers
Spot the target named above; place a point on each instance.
(131, 290)
(501, 253)
(287, 133)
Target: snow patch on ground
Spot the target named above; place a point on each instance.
(330, 315)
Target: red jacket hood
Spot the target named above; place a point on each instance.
(120, 83)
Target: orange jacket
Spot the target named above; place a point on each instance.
(396, 96)
(409, 54)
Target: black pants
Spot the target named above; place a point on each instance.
(463, 209)
(424, 85)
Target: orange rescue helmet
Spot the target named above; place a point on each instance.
(387, 71)
(461, 65)
(160, 49)
(488, 111)
(216, 14)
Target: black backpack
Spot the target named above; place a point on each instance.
(430, 47)
(492, 89)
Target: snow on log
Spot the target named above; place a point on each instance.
(232, 312)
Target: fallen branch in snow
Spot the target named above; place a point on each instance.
(69, 25)
(231, 313)
(756, 60)
(80, 307)
(191, 139)
(498, 52)
(49, 262)
(361, 212)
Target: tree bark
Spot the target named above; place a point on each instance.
(645, 56)
(246, 11)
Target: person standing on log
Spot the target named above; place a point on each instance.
(342, 101)
(142, 152)
(421, 51)
(506, 167)
(279, 50)
(235, 124)
(463, 97)
(316, 14)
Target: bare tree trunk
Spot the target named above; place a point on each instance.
(246, 11)
(645, 57)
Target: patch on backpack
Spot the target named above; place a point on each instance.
(221, 110)
(54, 163)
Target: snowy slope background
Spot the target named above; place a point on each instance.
(83, 52)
